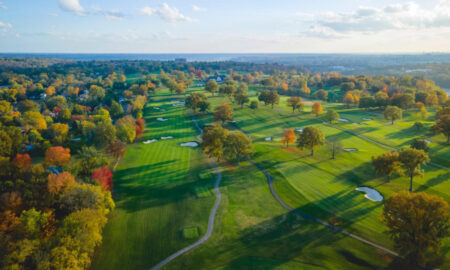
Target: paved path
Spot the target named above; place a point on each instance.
(379, 144)
(210, 220)
(304, 215)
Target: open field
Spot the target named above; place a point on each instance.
(163, 196)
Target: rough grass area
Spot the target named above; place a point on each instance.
(190, 233)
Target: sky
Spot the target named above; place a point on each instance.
(224, 26)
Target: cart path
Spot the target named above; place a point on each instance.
(309, 217)
(211, 215)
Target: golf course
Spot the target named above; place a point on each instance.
(280, 209)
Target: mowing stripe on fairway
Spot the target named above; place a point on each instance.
(379, 144)
(210, 219)
(326, 224)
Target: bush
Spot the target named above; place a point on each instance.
(254, 105)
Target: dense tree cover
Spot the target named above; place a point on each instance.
(417, 224)
(71, 122)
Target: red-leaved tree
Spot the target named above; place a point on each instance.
(22, 161)
(104, 177)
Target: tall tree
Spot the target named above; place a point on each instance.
(213, 139)
(223, 113)
(411, 160)
(116, 149)
(387, 164)
(237, 145)
(295, 103)
(443, 126)
(393, 113)
(332, 116)
(57, 156)
(335, 147)
(317, 109)
(311, 138)
(417, 223)
(288, 136)
(211, 86)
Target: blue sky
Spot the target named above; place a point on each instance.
(224, 26)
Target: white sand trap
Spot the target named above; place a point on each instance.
(350, 149)
(371, 194)
(268, 139)
(162, 119)
(189, 144)
(343, 120)
(166, 138)
(150, 141)
(156, 108)
(355, 123)
(367, 119)
(427, 141)
(179, 104)
(299, 129)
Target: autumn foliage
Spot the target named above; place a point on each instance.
(288, 136)
(57, 183)
(104, 177)
(140, 126)
(317, 109)
(57, 156)
(22, 161)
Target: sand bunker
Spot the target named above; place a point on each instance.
(371, 194)
(162, 119)
(343, 120)
(189, 144)
(150, 141)
(427, 141)
(367, 119)
(166, 138)
(299, 129)
(178, 104)
(350, 149)
(268, 139)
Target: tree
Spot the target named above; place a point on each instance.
(387, 164)
(32, 119)
(254, 104)
(417, 223)
(241, 96)
(311, 138)
(5, 144)
(88, 159)
(204, 105)
(317, 109)
(273, 98)
(104, 133)
(116, 110)
(237, 145)
(104, 177)
(96, 93)
(213, 139)
(58, 183)
(22, 161)
(223, 113)
(295, 103)
(411, 160)
(126, 129)
(402, 100)
(117, 149)
(332, 116)
(227, 90)
(349, 99)
(211, 86)
(288, 136)
(82, 196)
(322, 94)
(57, 156)
(335, 147)
(393, 113)
(443, 126)
(420, 144)
(65, 115)
(58, 133)
(193, 101)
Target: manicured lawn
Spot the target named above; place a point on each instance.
(155, 194)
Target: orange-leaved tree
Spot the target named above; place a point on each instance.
(288, 137)
(317, 109)
(57, 156)
(104, 177)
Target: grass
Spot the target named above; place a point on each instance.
(158, 186)
(190, 233)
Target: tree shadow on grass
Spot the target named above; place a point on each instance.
(434, 181)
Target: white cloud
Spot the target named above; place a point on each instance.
(198, 9)
(3, 6)
(72, 6)
(367, 20)
(5, 25)
(166, 13)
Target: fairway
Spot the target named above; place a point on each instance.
(159, 193)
